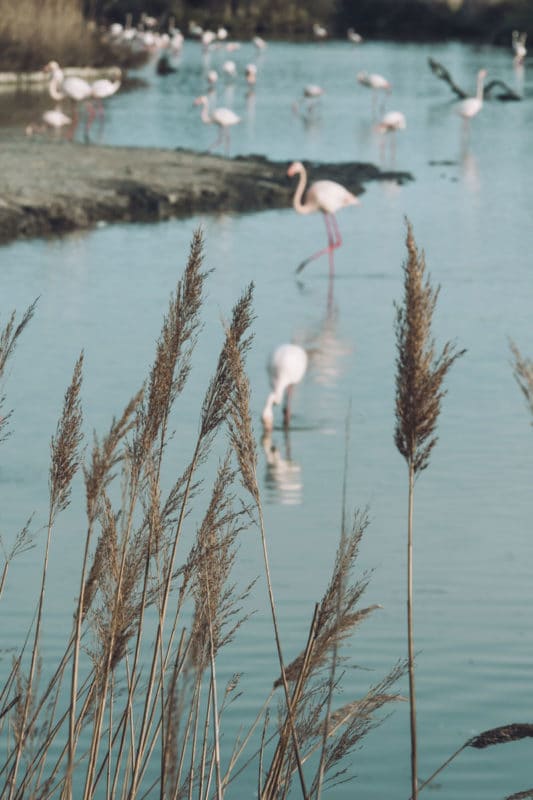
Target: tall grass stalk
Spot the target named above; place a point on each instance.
(135, 706)
(420, 375)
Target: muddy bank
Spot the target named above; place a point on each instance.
(51, 187)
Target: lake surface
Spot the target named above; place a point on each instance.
(106, 291)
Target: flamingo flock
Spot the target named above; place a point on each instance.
(289, 362)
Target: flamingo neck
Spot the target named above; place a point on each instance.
(301, 208)
(479, 93)
(205, 117)
(55, 83)
(267, 416)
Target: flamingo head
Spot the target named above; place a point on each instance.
(482, 73)
(200, 101)
(52, 66)
(295, 168)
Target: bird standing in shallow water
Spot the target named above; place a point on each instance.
(286, 367)
(75, 89)
(223, 117)
(327, 197)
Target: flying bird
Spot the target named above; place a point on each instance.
(327, 197)
(286, 368)
(471, 106)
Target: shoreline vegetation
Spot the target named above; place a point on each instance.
(82, 38)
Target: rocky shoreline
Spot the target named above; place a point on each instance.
(52, 187)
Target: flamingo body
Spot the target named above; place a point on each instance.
(286, 368)
(374, 81)
(392, 121)
(224, 118)
(472, 105)
(103, 88)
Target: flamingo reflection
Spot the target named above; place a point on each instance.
(283, 476)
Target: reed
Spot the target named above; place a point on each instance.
(420, 375)
(135, 706)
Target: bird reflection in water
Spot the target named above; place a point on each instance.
(283, 476)
(326, 350)
(470, 171)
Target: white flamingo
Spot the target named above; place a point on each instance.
(229, 68)
(319, 31)
(223, 117)
(101, 90)
(311, 95)
(376, 82)
(258, 42)
(391, 122)
(354, 37)
(73, 88)
(286, 368)
(471, 106)
(519, 47)
(327, 197)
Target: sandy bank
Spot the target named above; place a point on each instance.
(51, 187)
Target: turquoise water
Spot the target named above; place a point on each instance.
(105, 292)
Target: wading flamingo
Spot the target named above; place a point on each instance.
(75, 89)
(375, 82)
(391, 122)
(286, 368)
(519, 47)
(100, 90)
(223, 117)
(472, 105)
(327, 197)
(354, 37)
(310, 96)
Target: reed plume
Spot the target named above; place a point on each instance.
(420, 375)
(503, 734)
(9, 336)
(523, 373)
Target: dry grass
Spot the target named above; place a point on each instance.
(420, 375)
(134, 706)
(33, 32)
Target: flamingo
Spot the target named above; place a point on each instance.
(258, 42)
(519, 47)
(327, 197)
(75, 89)
(319, 31)
(286, 368)
(229, 68)
(101, 89)
(223, 117)
(311, 93)
(354, 37)
(392, 121)
(251, 74)
(472, 105)
(375, 82)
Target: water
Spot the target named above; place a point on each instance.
(106, 291)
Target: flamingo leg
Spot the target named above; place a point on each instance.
(217, 140)
(334, 241)
(287, 409)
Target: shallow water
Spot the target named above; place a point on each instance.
(471, 207)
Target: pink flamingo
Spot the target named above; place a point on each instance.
(391, 122)
(223, 117)
(327, 197)
(286, 368)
